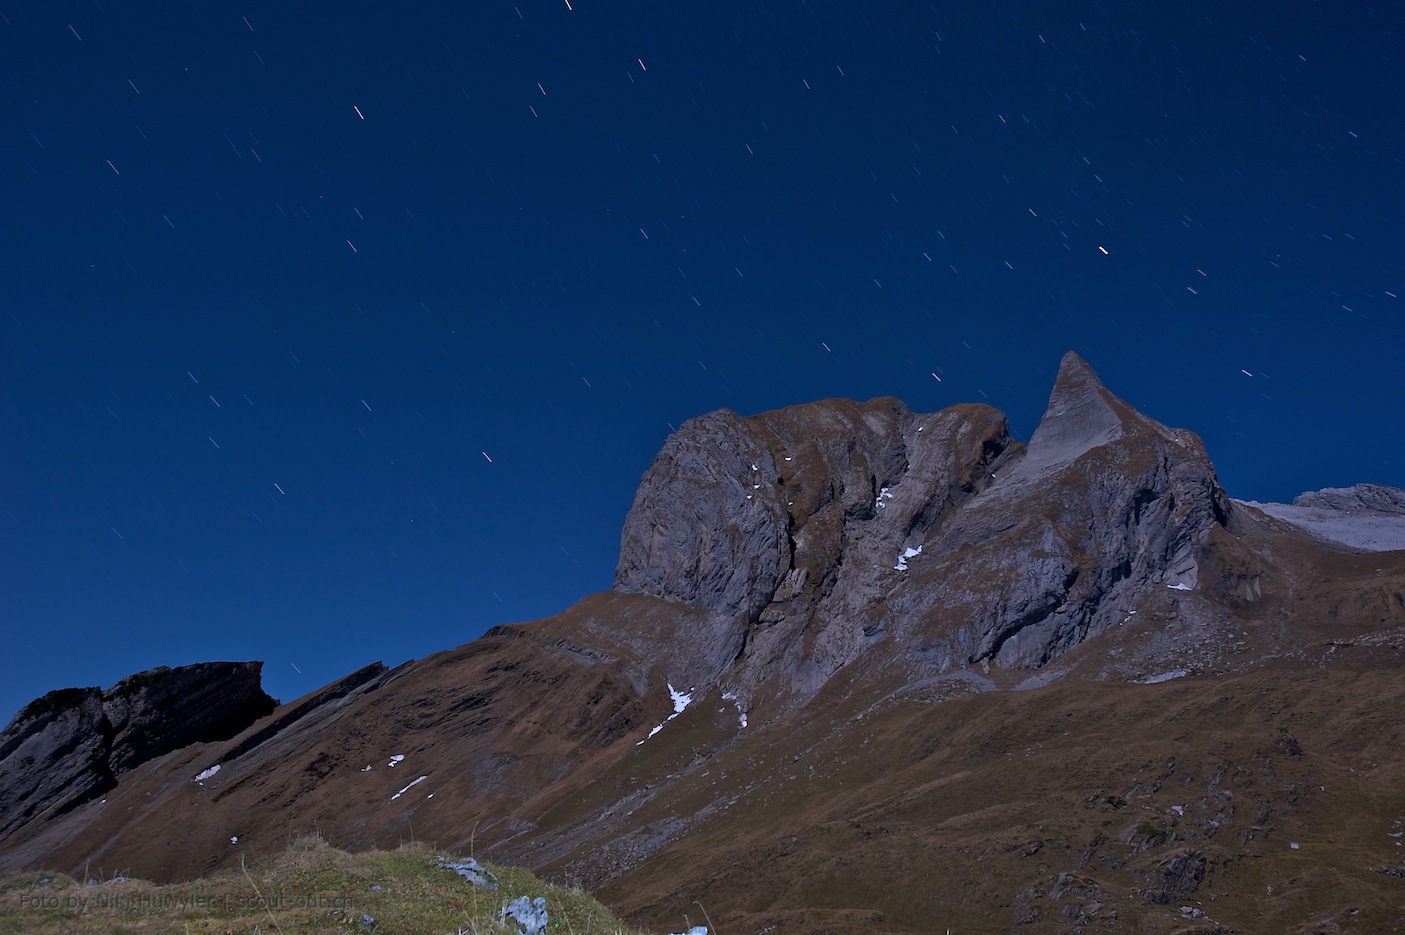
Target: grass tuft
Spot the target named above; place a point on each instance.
(310, 888)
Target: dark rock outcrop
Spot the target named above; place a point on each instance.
(54, 755)
(161, 710)
(71, 745)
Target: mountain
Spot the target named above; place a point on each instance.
(861, 670)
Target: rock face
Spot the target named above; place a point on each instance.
(71, 745)
(160, 710)
(1368, 498)
(1106, 508)
(53, 755)
(786, 526)
(813, 533)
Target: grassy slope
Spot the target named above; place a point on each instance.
(1078, 806)
(310, 888)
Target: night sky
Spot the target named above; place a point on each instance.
(336, 332)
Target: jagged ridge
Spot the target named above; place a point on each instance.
(792, 529)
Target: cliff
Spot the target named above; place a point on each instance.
(72, 745)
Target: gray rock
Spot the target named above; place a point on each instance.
(1178, 874)
(1370, 517)
(1370, 498)
(813, 534)
(530, 915)
(703, 532)
(1106, 507)
(787, 527)
(471, 870)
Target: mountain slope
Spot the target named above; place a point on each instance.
(848, 643)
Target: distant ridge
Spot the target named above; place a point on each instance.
(1367, 516)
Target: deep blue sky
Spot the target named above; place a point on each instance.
(274, 277)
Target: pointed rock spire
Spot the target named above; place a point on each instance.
(1081, 415)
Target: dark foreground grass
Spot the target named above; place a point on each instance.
(310, 889)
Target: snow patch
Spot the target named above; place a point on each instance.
(407, 788)
(395, 758)
(681, 700)
(729, 696)
(207, 773)
(883, 494)
(907, 554)
(1180, 586)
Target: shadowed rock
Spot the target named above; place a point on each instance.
(71, 745)
(54, 755)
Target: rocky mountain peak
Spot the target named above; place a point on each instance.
(1081, 415)
(822, 533)
(1106, 510)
